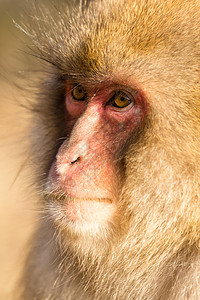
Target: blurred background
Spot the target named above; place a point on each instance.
(17, 208)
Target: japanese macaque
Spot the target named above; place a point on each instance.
(116, 142)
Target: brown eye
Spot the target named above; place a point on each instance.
(78, 93)
(120, 100)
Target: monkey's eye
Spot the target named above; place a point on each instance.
(120, 100)
(78, 93)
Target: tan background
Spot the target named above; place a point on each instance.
(17, 213)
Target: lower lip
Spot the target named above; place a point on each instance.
(89, 210)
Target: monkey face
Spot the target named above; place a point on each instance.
(85, 178)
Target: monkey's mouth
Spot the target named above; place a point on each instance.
(85, 210)
(89, 210)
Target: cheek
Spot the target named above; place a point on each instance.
(74, 108)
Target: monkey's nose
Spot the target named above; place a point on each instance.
(75, 160)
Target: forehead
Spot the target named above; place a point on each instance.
(118, 37)
(116, 34)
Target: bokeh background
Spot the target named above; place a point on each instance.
(17, 208)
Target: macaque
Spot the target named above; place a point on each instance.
(116, 152)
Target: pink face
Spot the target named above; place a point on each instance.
(86, 167)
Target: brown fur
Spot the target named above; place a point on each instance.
(151, 251)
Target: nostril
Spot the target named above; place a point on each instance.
(75, 160)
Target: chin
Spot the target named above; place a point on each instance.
(84, 221)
